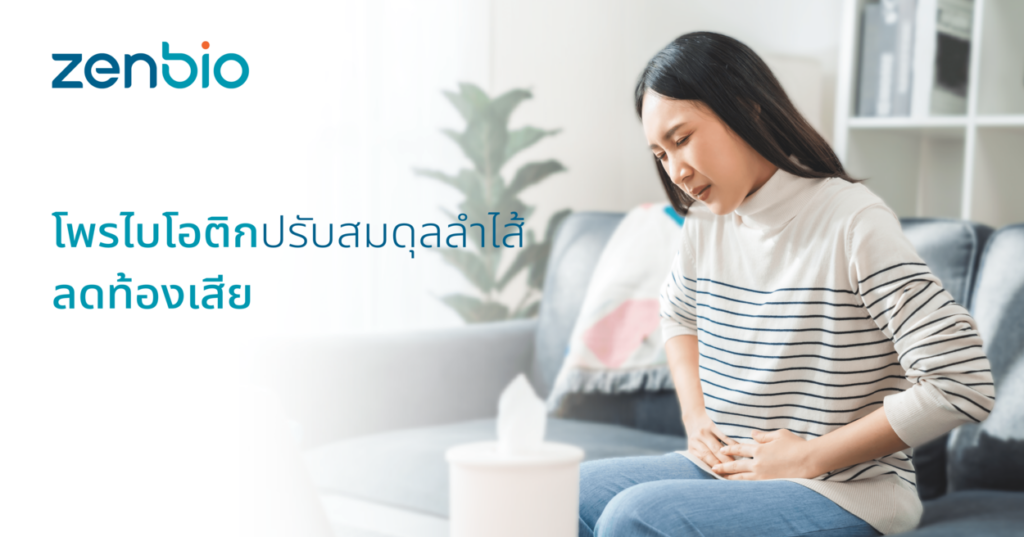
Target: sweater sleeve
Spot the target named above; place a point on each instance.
(935, 338)
(678, 297)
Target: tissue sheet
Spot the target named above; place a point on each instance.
(522, 417)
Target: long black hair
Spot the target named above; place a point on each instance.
(733, 81)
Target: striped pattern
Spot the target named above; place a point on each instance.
(811, 358)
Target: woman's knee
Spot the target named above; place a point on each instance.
(603, 479)
(600, 481)
(595, 492)
(639, 510)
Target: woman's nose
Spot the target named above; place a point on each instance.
(678, 173)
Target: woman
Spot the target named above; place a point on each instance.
(810, 347)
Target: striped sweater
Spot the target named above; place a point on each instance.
(811, 310)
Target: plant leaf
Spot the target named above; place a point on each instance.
(470, 101)
(553, 222)
(492, 257)
(502, 105)
(474, 310)
(474, 95)
(495, 127)
(484, 145)
(485, 139)
(520, 139)
(460, 104)
(506, 207)
(488, 144)
(476, 210)
(435, 174)
(467, 181)
(530, 310)
(530, 174)
(471, 146)
(472, 266)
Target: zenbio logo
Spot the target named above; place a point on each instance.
(109, 66)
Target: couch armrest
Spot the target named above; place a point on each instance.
(344, 386)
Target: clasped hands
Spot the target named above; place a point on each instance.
(776, 454)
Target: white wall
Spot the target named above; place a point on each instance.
(582, 59)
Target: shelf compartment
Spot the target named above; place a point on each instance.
(1001, 67)
(917, 171)
(998, 176)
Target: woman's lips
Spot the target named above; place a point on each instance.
(702, 195)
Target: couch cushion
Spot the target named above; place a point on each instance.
(952, 250)
(991, 455)
(407, 468)
(656, 412)
(579, 241)
(975, 512)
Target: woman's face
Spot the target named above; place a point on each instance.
(701, 154)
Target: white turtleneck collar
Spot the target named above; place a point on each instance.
(777, 201)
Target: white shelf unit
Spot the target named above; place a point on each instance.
(966, 166)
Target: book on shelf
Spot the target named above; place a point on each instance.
(952, 56)
(914, 58)
(886, 59)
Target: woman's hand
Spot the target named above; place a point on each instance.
(704, 439)
(776, 454)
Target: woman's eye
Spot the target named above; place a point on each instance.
(680, 142)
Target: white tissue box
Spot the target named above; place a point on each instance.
(534, 493)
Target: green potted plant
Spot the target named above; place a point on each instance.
(488, 144)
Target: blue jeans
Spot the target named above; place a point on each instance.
(669, 496)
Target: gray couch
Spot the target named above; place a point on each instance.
(378, 412)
